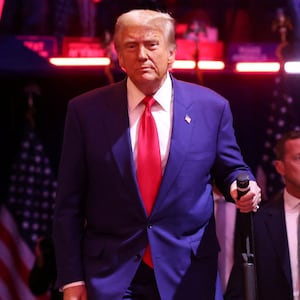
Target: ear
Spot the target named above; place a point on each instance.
(121, 62)
(171, 59)
(279, 166)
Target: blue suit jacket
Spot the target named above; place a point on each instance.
(100, 225)
(273, 269)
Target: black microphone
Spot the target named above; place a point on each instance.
(242, 183)
(246, 225)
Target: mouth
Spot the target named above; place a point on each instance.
(145, 68)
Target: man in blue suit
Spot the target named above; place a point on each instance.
(101, 226)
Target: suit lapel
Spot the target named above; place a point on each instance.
(180, 139)
(118, 132)
(275, 222)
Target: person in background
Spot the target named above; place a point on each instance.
(275, 233)
(110, 243)
(43, 274)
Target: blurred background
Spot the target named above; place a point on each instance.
(235, 20)
(35, 91)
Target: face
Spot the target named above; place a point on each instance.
(145, 56)
(289, 167)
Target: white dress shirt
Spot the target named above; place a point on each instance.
(292, 209)
(162, 112)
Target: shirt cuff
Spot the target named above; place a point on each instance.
(76, 283)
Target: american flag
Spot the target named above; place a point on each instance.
(25, 215)
(281, 118)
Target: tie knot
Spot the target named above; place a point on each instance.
(149, 101)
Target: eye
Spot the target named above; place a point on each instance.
(152, 44)
(130, 46)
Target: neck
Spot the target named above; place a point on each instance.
(294, 191)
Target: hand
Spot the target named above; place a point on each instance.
(248, 202)
(77, 292)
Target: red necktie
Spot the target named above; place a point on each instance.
(149, 171)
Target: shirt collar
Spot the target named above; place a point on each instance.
(163, 96)
(290, 201)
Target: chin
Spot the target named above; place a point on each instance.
(146, 78)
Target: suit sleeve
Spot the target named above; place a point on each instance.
(229, 160)
(68, 216)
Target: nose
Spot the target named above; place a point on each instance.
(142, 53)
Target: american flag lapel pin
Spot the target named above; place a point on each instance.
(188, 119)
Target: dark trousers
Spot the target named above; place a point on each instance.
(143, 285)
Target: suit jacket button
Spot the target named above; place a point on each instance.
(137, 257)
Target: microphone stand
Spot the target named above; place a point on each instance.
(248, 254)
(249, 258)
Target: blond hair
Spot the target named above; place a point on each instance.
(146, 17)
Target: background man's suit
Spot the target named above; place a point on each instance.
(97, 165)
(272, 256)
